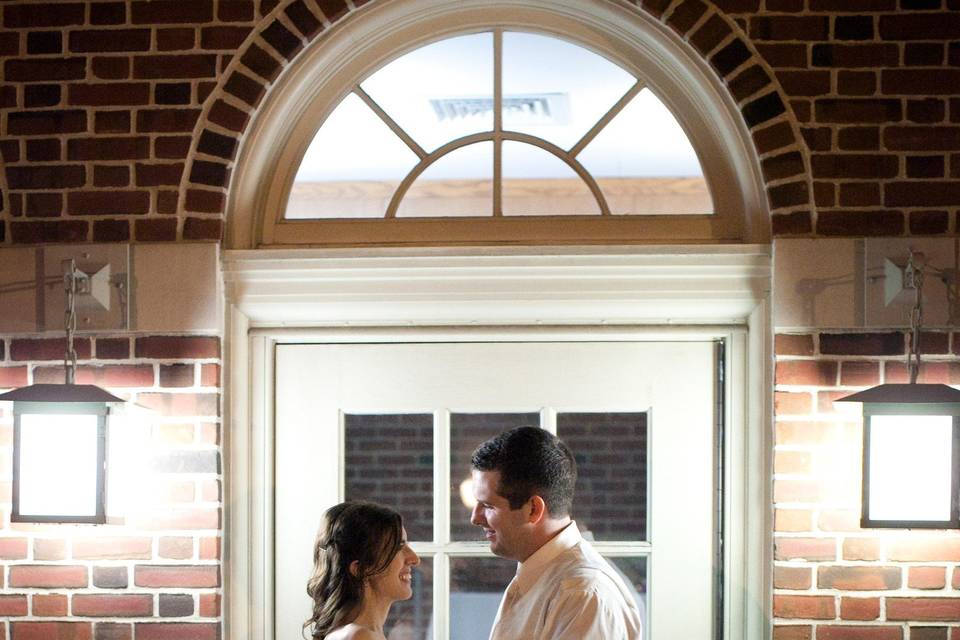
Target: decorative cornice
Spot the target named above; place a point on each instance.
(611, 285)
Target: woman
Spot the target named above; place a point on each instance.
(361, 565)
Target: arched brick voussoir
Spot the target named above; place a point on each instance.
(4, 203)
(286, 32)
(271, 46)
(781, 151)
(8, 99)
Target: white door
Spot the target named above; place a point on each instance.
(396, 422)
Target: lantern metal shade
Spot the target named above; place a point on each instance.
(911, 434)
(59, 433)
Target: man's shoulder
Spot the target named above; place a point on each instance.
(582, 568)
(588, 578)
(578, 563)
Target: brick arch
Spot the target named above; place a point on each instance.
(4, 201)
(292, 25)
(762, 102)
(274, 43)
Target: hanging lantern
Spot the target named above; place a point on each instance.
(911, 443)
(911, 456)
(60, 438)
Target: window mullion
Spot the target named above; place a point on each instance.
(497, 122)
(342, 448)
(390, 122)
(441, 597)
(441, 477)
(441, 523)
(605, 119)
(548, 419)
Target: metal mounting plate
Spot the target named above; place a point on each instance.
(91, 259)
(939, 254)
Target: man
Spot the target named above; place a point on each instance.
(523, 480)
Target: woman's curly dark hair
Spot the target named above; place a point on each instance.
(366, 532)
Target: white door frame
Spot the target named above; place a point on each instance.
(623, 292)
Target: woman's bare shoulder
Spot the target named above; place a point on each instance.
(354, 632)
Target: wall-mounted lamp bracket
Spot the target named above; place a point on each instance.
(101, 284)
(889, 290)
(91, 288)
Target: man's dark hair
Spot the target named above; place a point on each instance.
(531, 461)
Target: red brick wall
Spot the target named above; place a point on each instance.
(158, 573)
(102, 102)
(832, 579)
(123, 118)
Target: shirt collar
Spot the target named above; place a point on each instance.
(533, 567)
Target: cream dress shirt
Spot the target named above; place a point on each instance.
(567, 591)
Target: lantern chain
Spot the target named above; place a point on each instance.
(70, 320)
(914, 274)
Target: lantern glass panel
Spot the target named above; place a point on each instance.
(58, 461)
(910, 467)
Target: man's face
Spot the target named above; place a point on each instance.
(508, 530)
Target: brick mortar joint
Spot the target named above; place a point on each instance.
(111, 335)
(799, 142)
(219, 93)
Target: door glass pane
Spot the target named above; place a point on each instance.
(458, 184)
(634, 574)
(611, 451)
(439, 92)
(645, 163)
(536, 182)
(556, 90)
(467, 431)
(476, 587)
(411, 619)
(389, 459)
(351, 168)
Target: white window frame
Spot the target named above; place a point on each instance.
(498, 135)
(348, 295)
(315, 83)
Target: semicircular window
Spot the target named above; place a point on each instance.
(499, 124)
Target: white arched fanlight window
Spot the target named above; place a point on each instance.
(523, 129)
(499, 123)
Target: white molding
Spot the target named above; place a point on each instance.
(748, 565)
(308, 90)
(376, 295)
(613, 285)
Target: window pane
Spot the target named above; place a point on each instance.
(467, 432)
(634, 574)
(389, 459)
(911, 467)
(351, 168)
(458, 184)
(58, 480)
(611, 451)
(556, 90)
(412, 619)
(645, 164)
(439, 92)
(536, 182)
(476, 587)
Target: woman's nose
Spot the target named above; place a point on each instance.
(413, 559)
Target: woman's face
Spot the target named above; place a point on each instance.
(396, 581)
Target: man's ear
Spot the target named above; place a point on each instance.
(538, 509)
